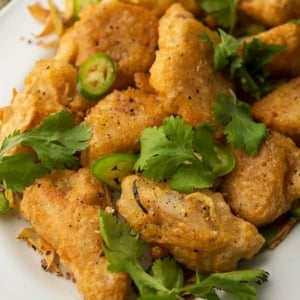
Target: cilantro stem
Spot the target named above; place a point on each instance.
(142, 279)
(4, 204)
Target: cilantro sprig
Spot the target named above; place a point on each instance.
(165, 280)
(54, 144)
(188, 158)
(249, 68)
(224, 11)
(240, 129)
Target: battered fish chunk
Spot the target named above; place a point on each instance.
(159, 7)
(125, 31)
(271, 12)
(63, 209)
(183, 72)
(261, 188)
(118, 121)
(198, 229)
(49, 87)
(288, 35)
(280, 110)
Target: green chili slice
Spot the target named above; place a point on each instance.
(270, 232)
(112, 168)
(4, 204)
(78, 5)
(96, 75)
(295, 209)
(227, 160)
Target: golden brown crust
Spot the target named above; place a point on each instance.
(126, 32)
(198, 229)
(183, 72)
(68, 221)
(286, 63)
(50, 87)
(280, 109)
(271, 12)
(118, 121)
(263, 187)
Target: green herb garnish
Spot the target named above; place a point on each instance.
(224, 11)
(4, 203)
(249, 68)
(240, 129)
(188, 158)
(165, 280)
(54, 142)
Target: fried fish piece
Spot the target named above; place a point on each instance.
(271, 12)
(159, 7)
(127, 32)
(262, 187)
(280, 109)
(183, 73)
(288, 35)
(118, 121)
(49, 87)
(198, 229)
(63, 209)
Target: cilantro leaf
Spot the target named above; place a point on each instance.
(168, 272)
(147, 285)
(165, 280)
(20, 170)
(124, 250)
(190, 177)
(55, 142)
(240, 129)
(181, 155)
(253, 72)
(249, 68)
(170, 144)
(240, 284)
(121, 243)
(224, 11)
(224, 51)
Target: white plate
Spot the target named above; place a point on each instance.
(21, 276)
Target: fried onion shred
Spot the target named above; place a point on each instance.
(50, 261)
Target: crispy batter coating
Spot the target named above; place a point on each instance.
(287, 63)
(271, 12)
(63, 209)
(118, 121)
(280, 110)
(183, 72)
(198, 229)
(159, 7)
(263, 187)
(126, 32)
(49, 87)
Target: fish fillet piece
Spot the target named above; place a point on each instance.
(262, 187)
(159, 7)
(198, 229)
(118, 121)
(183, 73)
(271, 12)
(288, 35)
(49, 87)
(126, 32)
(63, 209)
(280, 109)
